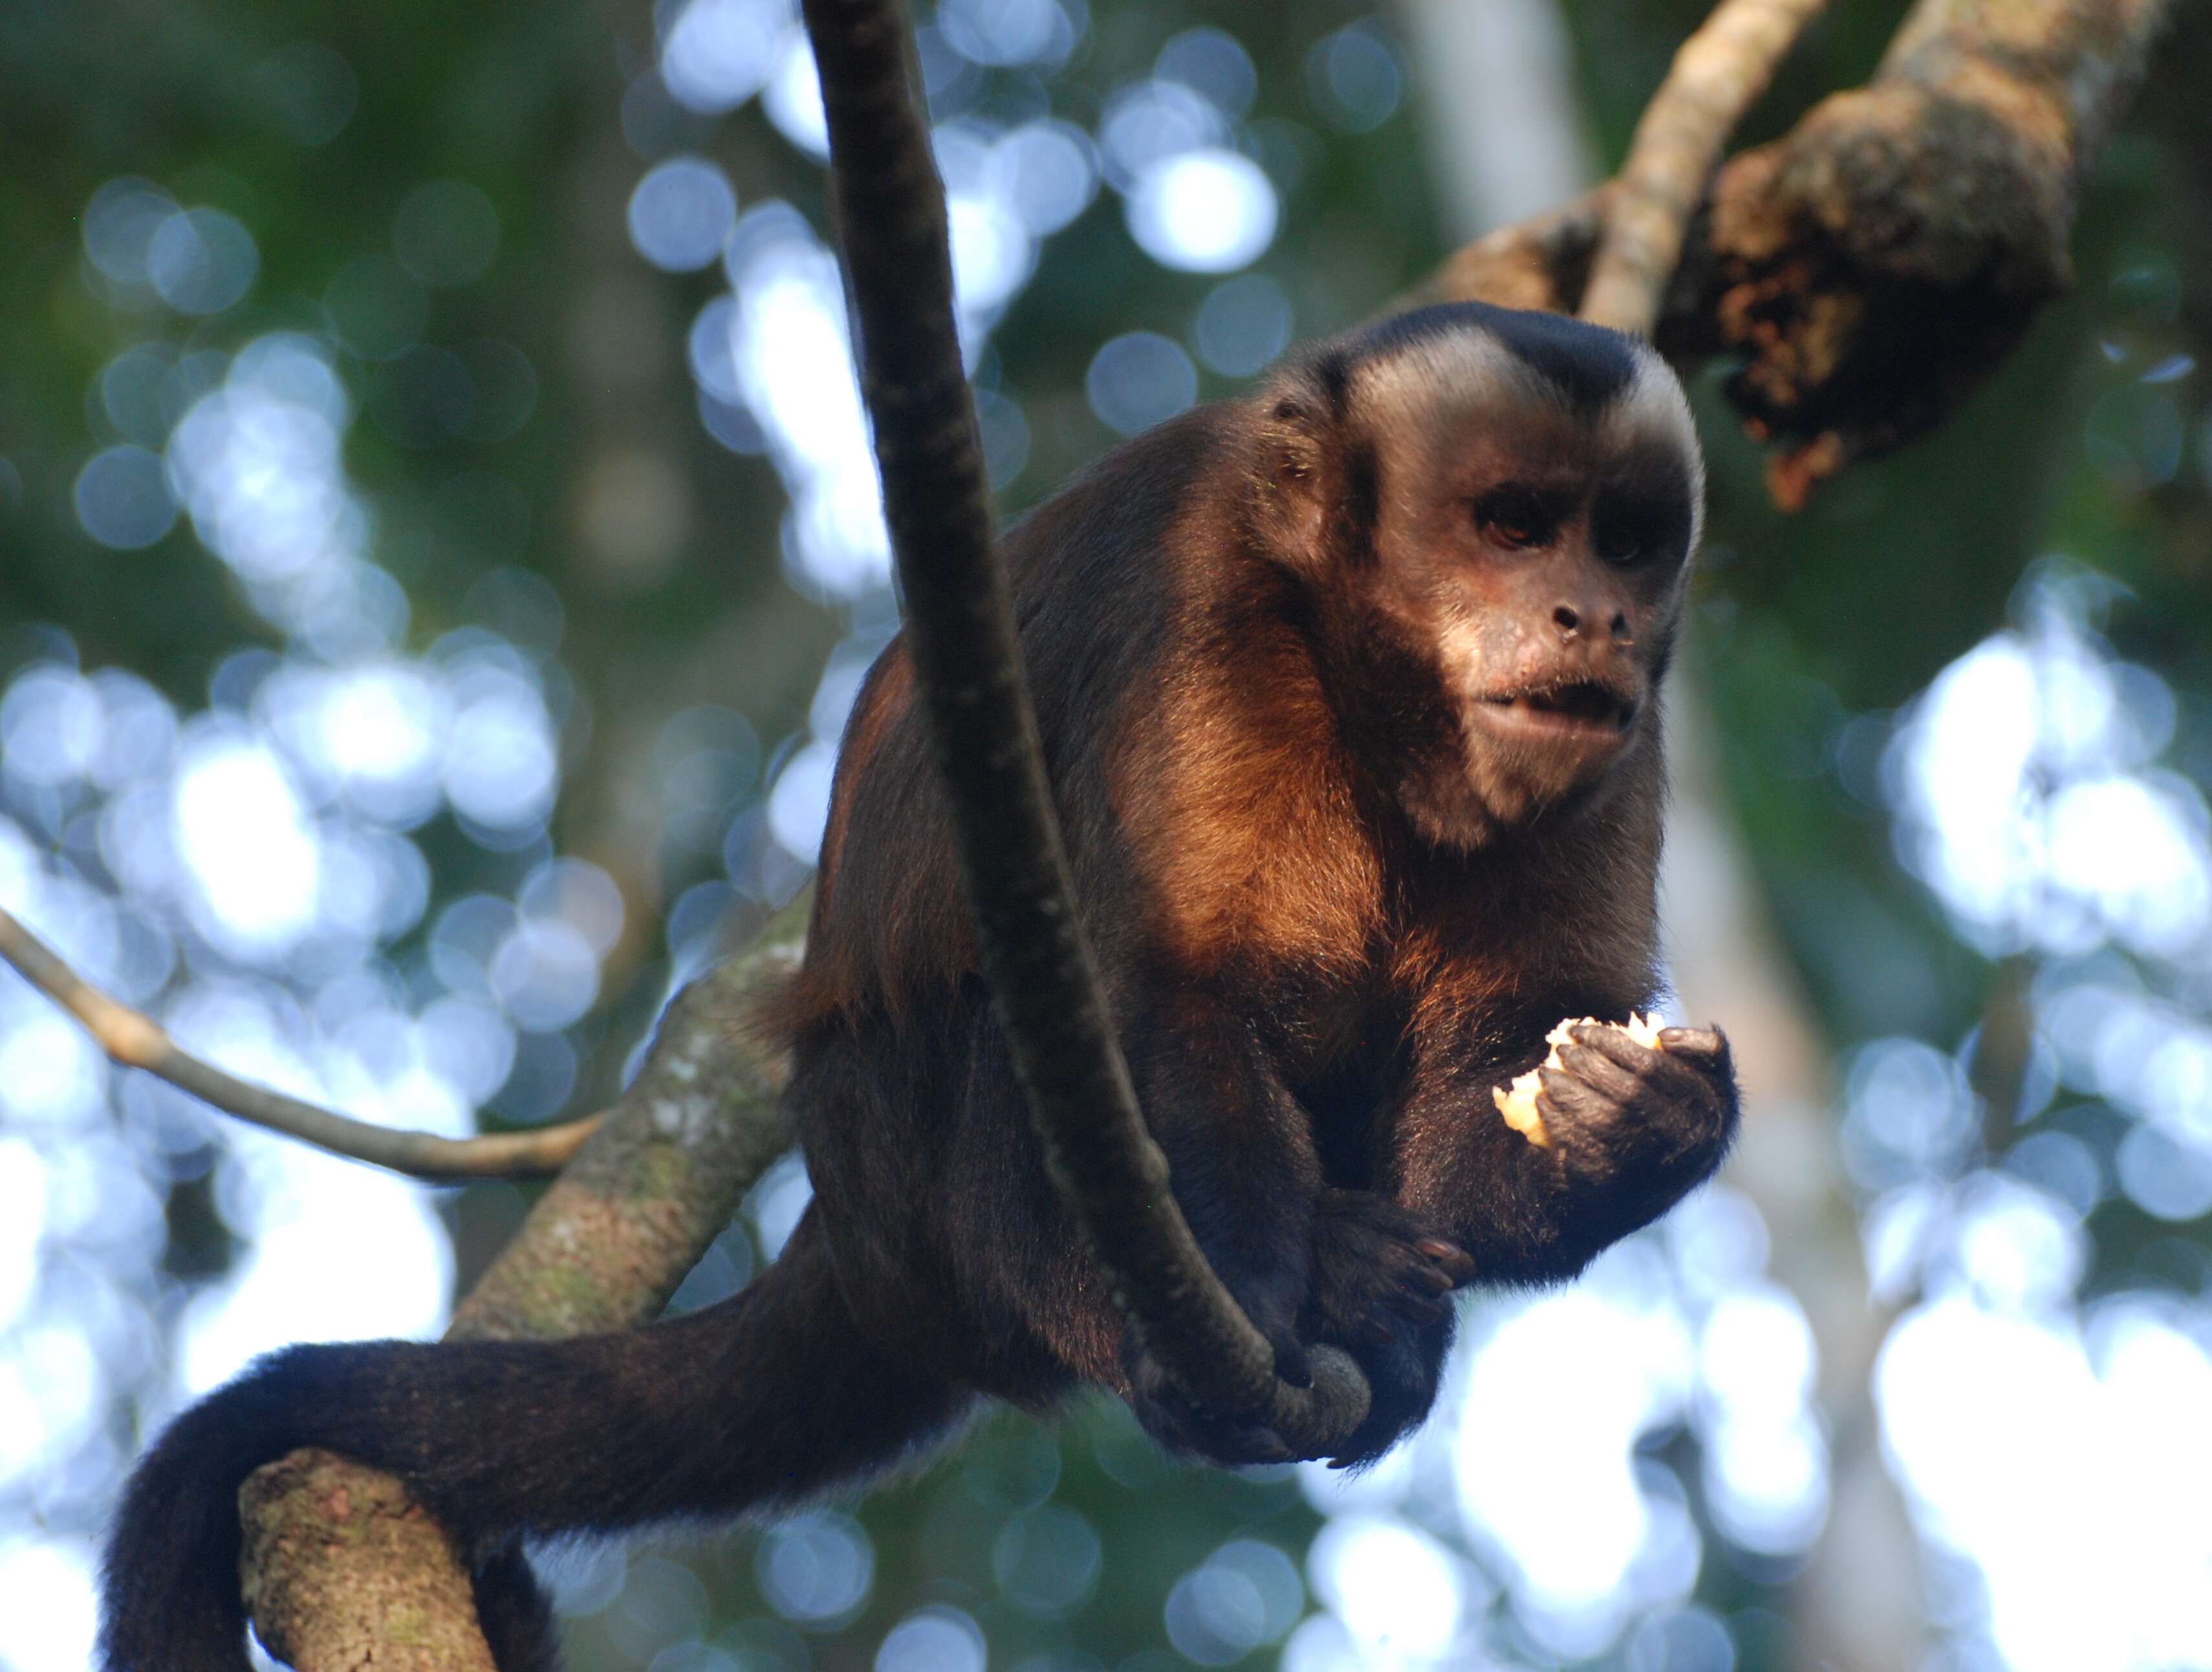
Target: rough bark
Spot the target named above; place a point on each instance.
(342, 1571)
(333, 1549)
(1873, 265)
(1715, 77)
(615, 1234)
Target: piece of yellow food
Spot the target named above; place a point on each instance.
(1517, 1102)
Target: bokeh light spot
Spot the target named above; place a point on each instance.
(1208, 210)
(1138, 380)
(1243, 324)
(719, 53)
(202, 261)
(122, 499)
(681, 213)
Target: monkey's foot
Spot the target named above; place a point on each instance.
(1383, 1280)
(1380, 1272)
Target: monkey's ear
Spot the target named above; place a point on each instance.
(1293, 456)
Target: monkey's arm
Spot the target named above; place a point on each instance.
(1631, 1131)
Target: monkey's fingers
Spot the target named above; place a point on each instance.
(1432, 1278)
(1623, 1086)
(1569, 1103)
(1659, 1071)
(1707, 1047)
(1454, 1261)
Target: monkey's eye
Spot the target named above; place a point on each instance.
(1515, 518)
(1625, 530)
(1618, 540)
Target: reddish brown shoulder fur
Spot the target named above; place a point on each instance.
(1240, 804)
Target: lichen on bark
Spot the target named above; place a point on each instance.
(336, 1555)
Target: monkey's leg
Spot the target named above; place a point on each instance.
(1241, 1156)
(765, 1399)
(1382, 1279)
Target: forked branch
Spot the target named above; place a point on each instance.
(1716, 76)
(1872, 268)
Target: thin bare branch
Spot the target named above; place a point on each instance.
(134, 1040)
(1718, 74)
(890, 214)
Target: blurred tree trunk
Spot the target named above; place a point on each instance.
(1856, 1607)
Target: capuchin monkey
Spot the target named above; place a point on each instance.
(1349, 695)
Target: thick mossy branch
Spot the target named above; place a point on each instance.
(344, 1572)
(614, 1235)
(891, 227)
(331, 1548)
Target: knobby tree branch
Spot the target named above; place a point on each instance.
(341, 1567)
(1718, 74)
(891, 225)
(134, 1040)
(1873, 267)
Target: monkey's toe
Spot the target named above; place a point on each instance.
(1381, 1274)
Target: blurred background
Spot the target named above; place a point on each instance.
(438, 548)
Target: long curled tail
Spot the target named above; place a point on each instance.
(765, 1399)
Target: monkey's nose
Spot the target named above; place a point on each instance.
(1570, 620)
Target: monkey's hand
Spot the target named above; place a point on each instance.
(1649, 1124)
(1383, 1280)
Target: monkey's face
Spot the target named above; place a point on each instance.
(1530, 515)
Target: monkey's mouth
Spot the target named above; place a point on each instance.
(1574, 708)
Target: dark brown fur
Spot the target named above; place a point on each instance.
(1338, 892)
